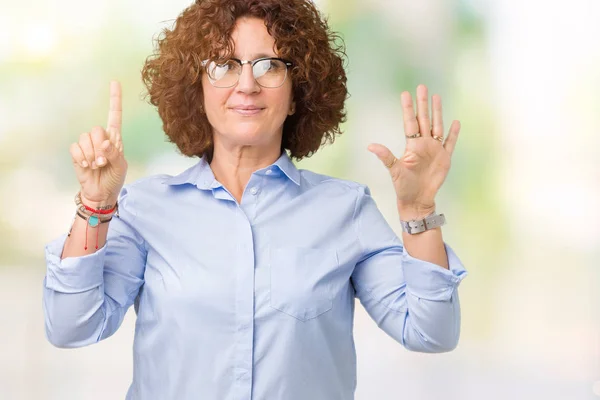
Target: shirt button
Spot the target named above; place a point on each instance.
(254, 190)
(269, 172)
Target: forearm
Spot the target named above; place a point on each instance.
(426, 246)
(76, 308)
(79, 239)
(73, 299)
(75, 319)
(85, 239)
(420, 320)
(432, 326)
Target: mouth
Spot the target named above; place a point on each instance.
(247, 111)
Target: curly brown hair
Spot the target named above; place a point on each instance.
(172, 75)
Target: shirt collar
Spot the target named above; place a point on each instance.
(202, 176)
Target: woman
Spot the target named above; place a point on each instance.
(243, 269)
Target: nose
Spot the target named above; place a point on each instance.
(247, 84)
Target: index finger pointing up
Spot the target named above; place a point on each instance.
(115, 112)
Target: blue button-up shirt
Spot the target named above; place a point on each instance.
(252, 300)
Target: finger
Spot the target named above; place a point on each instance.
(452, 137)
(109, 152)
(98, 135)
(438, 121)
(87, 148)
(115, 111)
(77, 156)
(119, 143)
(382, 152)
(423, 110)
(411, 126)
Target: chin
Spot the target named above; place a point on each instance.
(248, 135)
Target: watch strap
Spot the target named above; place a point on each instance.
(421, 225)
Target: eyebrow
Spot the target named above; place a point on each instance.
(259, 55)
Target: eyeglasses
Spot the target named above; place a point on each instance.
(269, 72)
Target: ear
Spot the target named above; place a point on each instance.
(292, 108)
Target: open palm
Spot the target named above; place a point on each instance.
(420, 172)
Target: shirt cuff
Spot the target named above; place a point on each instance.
(430, 281)
(73, 274)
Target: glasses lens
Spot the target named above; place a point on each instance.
(223, 75)
(270, 73)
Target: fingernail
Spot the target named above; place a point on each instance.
(84, 164)
(100, 160)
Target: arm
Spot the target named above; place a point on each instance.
(412, 300)
(426, 246)
(76, 243)
(85, 297)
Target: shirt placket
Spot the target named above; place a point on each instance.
(244, 302)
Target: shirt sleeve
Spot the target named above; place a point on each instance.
(85, 298)
(413, 301)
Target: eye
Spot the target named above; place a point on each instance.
(276, 64)
(268, 66)
(218, 71)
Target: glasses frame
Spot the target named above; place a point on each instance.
(252, 63)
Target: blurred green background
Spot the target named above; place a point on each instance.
(521, 199)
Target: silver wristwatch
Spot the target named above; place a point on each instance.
(421, 225)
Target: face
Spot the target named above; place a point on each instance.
(262, 126)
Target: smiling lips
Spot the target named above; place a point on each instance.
(247, 110)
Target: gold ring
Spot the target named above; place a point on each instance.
(438, 138)
(416, 135)
(392, 163)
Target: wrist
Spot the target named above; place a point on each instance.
(422, 224)
(99, 204)
(415, 212)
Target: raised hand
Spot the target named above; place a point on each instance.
(420, 172)
(98, 157)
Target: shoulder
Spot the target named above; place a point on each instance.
(325, 182)
(144, 193)
(151, 185)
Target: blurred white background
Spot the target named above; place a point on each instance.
(522, 199)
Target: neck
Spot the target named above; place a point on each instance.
(234, 167)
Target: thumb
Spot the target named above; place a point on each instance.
(382, 152)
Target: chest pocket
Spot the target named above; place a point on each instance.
(301, 280)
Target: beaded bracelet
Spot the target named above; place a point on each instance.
(100, 210)
(93, 223)
(83, 210)
(93, 216)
